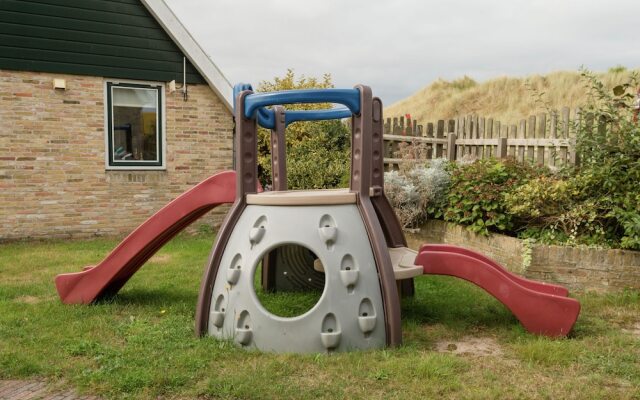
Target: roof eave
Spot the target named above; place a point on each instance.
(192, 50)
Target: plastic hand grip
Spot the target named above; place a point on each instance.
(255, 104)
(316, 115)
(347, 97)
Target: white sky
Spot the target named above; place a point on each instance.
(398, 47)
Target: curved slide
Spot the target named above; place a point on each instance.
(529, 284)
(114, 271)
(542, 309)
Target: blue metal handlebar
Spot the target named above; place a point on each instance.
(255, 104)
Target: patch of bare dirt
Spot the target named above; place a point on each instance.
(634, 330)
(33, 389)
(160, 258)
(28, 299)
(475, 346)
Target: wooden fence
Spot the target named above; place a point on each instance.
(542, 139)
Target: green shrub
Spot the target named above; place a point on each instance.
(321, 160)
(476, 196)
(318, 153)
(539, 198)
(598, 201)
(608, 142)
(552, 210)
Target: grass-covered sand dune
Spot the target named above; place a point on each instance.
(507, 99)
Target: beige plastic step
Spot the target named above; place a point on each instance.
(303, 197)
(402, 259)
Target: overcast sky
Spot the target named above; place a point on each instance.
(398, 47)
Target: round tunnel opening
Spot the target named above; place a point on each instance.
(289, 280)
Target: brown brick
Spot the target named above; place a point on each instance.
(60, 180)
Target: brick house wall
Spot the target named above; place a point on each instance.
(53, 181)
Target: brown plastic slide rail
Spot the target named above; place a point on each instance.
(114, 271)
(541, 308)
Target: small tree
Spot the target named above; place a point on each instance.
(317, 152)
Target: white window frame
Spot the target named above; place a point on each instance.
(162, 120)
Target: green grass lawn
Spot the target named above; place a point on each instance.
(140, 344)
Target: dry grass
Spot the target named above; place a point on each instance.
(506, 99)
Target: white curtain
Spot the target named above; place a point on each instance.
(135, 97)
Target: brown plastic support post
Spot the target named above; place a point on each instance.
(361, 149)
(247, 172)
(361, 153)
(268, 278)
(279, 151)
(279, 179)
(387, 217)
(246, 145)
(377, 154)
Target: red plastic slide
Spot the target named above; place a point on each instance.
(115, 270)
(533, 285)
(542, 309)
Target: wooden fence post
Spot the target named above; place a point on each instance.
(531, 133)
(439, 135)
(542, 130)
(396, 128)
(573, 156)
(475, 135)
(481, 135)
(459, 132)
(468, 134)
(489, 133)
(451, 146)
(512, 133)
(522, 132)
(502, 148)
(430, 147)
(553, 134)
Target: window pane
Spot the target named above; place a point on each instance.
(134, 97)
(135, 130)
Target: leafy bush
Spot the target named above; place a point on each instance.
(322, 160)
(551, 209)
(598, 201)
(538, 198)
(608, 142)
(318, 153)
(477, 191)
(414, 192)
